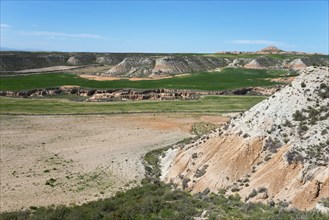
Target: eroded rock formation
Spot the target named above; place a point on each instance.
(277, 151)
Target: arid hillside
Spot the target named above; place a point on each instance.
(153, 64)
(166, 65)
(275, 152)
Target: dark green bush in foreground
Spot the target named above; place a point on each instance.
(161, 201)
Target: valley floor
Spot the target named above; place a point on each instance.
(49, 160)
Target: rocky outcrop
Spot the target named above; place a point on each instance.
(296, 64)
(277, 151)
(94, 95)
(133, 66)
(74, 61)
(152, 66)
(108, 60)
(170, 65)
(81, 59)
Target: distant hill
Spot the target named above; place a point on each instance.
(147, 64)
(270, 49)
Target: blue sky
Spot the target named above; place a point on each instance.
(164, 26)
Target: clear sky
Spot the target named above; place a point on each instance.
(164, 26)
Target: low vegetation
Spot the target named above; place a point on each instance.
(210, 104)
(202, 128)
(228, 78)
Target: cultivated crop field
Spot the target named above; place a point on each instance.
(207, 104)
(226, 79)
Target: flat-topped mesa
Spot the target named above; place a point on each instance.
(276, 151)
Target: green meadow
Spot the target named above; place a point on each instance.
(226, 79)
(207, 104)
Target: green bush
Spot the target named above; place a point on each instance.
(298, 116)
(253, 193)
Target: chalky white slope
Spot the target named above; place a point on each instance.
(278, 149)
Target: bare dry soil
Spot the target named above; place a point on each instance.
(56, 160)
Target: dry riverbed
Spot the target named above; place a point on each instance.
(56, 160)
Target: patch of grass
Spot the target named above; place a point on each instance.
(201, 128)
(152, 163)
(216, 104)
(228, 78)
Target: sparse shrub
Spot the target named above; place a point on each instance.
(91, 92)
(267, 158)
(74, 91)
(235, 189)
(293, 156)
(303, 128)
(245, 135)
(201, 172)
(253, 193)
(185, 182)
(325, 202)
(51, 182)
(271, 203)
(33, 207)
(262, 189)
(323, 92)
(246, 180)
(298, 116)
(272, 145)
(303, 85)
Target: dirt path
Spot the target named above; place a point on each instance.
(73, 159)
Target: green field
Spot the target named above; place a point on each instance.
(228, 78)
(208, 104)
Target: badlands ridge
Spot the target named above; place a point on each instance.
(275, 152)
